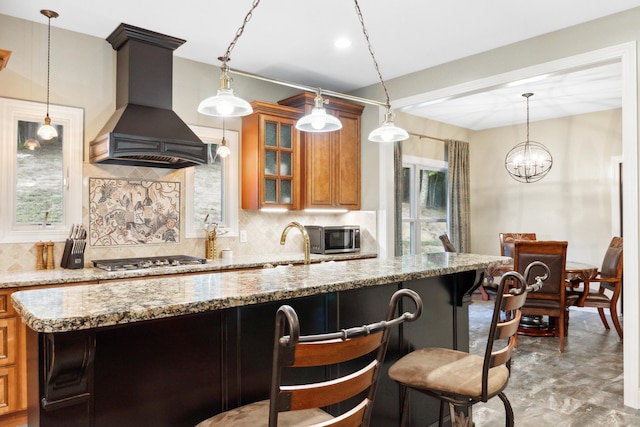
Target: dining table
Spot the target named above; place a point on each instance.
(579, 272)
(575, 273)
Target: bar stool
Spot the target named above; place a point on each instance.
(298, 405)
(463, 379)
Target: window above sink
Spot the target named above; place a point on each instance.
(41, 181)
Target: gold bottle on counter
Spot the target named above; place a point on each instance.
(50, 263)
(210, 245)
(39, 256)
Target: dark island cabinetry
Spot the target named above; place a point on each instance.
(181, 370)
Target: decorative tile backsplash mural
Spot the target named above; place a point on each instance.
(133, 212)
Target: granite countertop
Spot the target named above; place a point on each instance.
(65, 309)
(65, 276)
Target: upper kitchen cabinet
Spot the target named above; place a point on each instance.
(331, 160)
(271, 157)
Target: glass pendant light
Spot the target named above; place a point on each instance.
(46, 131)
(388, 132)
(225, 103)
(31, 144)
(223, 150)
(318, 120)
(528, 161)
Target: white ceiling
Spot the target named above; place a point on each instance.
(292, 40)
(587, 90)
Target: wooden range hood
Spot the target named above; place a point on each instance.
(144, 130)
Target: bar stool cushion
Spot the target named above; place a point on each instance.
(257, 415)
(447, 371)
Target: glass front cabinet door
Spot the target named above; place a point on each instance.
(270, 157)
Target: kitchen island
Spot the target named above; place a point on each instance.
(172, 351)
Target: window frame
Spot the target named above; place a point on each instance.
(72, 121)
(415, 164)
(230, 210)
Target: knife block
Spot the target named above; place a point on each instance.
(70, 259)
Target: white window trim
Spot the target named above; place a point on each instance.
(414, 163)
(230, 180)
(423, 161)
(72, 121)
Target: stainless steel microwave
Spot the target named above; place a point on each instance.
(333, 239)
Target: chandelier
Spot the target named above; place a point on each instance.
(226, 104)
(528, 161)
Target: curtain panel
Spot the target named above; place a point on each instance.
(459, 197)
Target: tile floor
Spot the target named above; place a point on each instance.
(582, 387)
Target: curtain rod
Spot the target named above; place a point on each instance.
(426, 136)
(309, 88)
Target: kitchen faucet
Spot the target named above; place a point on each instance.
(305, 238)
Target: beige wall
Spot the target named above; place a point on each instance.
(87, 81)
(83, 75)
(573, 202)
(429, 148)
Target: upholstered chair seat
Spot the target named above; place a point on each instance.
(257, 415)
(448, 371)
(461, 379)
(609, 280)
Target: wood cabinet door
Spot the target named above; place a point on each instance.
(331, 166)
(8, 390)
(270, 158)
(346, 163)
(6, 309)
(8, 370)
(8, 333)
(318, 170)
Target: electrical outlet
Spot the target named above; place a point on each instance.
(243, 236)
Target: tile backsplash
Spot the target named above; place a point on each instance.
(263, 237)
(262, 229)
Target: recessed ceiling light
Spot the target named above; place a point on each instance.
(342, 43)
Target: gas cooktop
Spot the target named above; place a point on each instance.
(148, 262)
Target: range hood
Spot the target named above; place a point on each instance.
(144, 130)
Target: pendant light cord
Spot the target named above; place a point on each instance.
(375, 63)
(527, 95)
(48, 63)
(239, 32)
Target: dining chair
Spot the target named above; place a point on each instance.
(610, 282)
(446, 243)
(449, 247)
(553, 300)
(506, 249)
(507, 239)
(299, 404)
(463, 379)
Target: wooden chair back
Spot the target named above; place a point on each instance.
(363, 347)
(552, 299)
(612, 265)
(446, 243)
(553, 254)
(504, 324)
(507, 239)
(609, 278)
